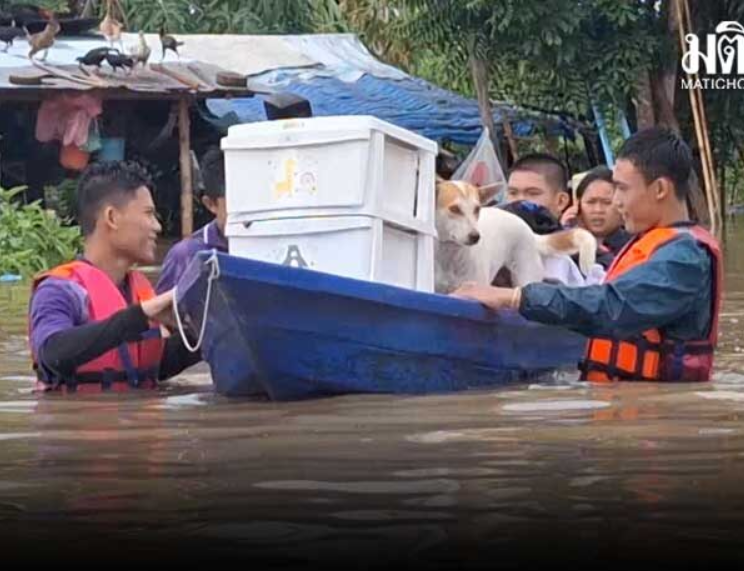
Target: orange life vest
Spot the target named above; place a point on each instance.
(652, 356)
(130, 365)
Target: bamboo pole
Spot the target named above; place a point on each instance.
(187, 188)
(706, 139)
(715, 195)
(721, 178)
(711, 166)
(703, 161)
(701, 129)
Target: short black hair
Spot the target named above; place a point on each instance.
(213, 173)
(554, 171)
(601, 172)
(104, 183)
(658, 152)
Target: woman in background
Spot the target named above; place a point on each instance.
(596, 212)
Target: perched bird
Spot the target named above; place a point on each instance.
(169, 43)
(110, 27)
(140, 53)
(95, 57)
(43, 40)
(8, 34)
(118, 60)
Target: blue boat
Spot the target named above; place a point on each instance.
(289, 333)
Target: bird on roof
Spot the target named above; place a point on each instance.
(95, 57)
(110, 27)
(43, 40)
(118, 60)
(10, 33)
(140, 52)
(169, 43)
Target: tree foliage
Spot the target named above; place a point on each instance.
(31, 238)
(560, 55)
(551, 54)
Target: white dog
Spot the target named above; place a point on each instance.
(476, 242)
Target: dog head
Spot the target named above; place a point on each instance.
(458, 209)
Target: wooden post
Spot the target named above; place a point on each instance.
(187, 188)
(479, 70)
(645, 101)
(509, 134)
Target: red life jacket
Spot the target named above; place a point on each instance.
(130, 365)
(652, 356)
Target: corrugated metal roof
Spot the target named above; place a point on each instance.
(335, 72)
(60, 70)
(168, 78)
(248, 55)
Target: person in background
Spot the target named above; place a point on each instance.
(446, 163)
(537, 192)
(95, 322)
(596, 212)
(542, 179)
(655, 317)
(210, 236)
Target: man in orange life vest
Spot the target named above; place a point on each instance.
(94, 323)
(655, 317)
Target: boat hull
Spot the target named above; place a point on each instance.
(291, 333)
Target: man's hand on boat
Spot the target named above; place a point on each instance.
(491, 297)
(160, 309)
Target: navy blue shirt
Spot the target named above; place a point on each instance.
(179, 256)
(672, 291)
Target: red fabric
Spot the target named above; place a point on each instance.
(668, 360)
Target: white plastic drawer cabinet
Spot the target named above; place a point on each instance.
(330, 166)
(360, 247)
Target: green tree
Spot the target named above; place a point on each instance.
(557, 55)
(31, 238)
(477, 34)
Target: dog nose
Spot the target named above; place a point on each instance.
(473, 238)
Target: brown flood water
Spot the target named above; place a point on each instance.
(557, 472)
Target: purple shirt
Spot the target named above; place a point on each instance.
(58, 305)
(179, 256)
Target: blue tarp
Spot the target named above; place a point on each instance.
(411, 103)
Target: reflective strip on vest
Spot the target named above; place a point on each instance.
(650, 356)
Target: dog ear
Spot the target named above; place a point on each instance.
(488, 191)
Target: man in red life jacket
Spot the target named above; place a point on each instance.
(655, 317)
(94, 323)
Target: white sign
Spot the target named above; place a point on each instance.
(721, 54)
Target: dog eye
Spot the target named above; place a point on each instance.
(454, 209)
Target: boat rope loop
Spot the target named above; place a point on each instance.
(214, 273)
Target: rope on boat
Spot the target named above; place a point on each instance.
(214, 273)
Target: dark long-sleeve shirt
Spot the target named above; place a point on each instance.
(671, 291)
(62, 339)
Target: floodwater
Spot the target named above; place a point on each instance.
(556, 472)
